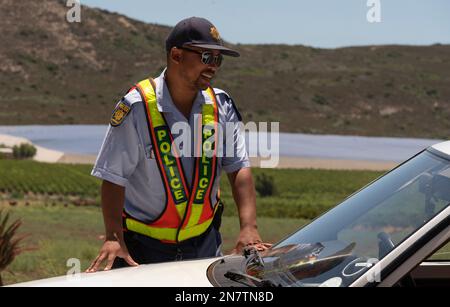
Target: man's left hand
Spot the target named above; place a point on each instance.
(249, 237)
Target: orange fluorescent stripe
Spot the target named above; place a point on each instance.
(169, 199)
(170, 218)
(208, 204)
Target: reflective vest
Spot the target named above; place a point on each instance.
(188, 211)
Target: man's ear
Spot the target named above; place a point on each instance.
(175, 55)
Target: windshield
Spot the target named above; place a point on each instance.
(339, 246)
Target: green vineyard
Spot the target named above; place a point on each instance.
(302, 193)
(299, 193)
(44, 178)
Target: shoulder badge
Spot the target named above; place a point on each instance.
(119, 114)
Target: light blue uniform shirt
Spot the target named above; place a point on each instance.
(125, 159)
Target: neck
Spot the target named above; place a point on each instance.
(182, 95)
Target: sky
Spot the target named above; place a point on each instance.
(317, 23)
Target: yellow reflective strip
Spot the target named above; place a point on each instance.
(157, 120)
(208, 114)
(153, 232)
(211, 94)
(169, 234)
(208, 109)
(196, 212)
(181, 208)
(208, 119)
(194, 231)
(150, 95)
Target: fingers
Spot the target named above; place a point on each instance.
(130, 260)
(262, 246)
(253, 243)
(110, 263)
(109, 252)
(94, 267)
(96, 263)
(256, 244)
(90, 267)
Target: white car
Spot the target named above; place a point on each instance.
(380, 236)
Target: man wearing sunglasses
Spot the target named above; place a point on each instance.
(160, 205)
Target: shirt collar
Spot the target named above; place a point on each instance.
(164, 100)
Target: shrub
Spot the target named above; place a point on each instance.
(52, 67)
(24, 151)
(9, 242)
(319, 100)
(432, 93)
(265, 185)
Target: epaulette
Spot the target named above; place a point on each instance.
(230, 100)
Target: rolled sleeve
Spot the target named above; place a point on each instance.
(239, 157)
(119, 154)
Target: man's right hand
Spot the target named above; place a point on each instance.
(109, 251)
(113, 198)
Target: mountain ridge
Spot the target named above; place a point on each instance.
(55, 72)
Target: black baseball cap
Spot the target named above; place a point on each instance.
(198, 32)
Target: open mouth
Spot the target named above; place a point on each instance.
(207, 76)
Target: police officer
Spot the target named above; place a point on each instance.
(161, 172)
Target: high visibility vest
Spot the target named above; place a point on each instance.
(188, 211)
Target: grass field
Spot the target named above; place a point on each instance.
(59, 207)
(59, 233)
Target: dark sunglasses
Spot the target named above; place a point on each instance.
(207, 57)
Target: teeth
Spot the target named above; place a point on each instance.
(207, 76)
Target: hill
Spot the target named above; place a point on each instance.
(55, 72)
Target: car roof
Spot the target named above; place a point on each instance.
(443, 147)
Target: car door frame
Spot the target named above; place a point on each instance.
(432, 273)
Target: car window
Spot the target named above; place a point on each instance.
(442, 254)
(397, 217)
(343, 243)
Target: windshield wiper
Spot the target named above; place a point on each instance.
(255, 257)
(242, 278)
